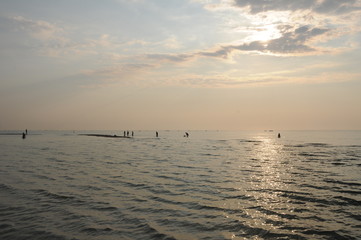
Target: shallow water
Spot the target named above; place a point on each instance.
(212, 185)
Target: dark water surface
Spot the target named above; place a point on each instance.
(212, 185)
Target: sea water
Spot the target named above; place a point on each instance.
(211, 185)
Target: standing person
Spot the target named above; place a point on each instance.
(127, 133)
(132, 134)
(124, 133)
(279, 135)
(24, 135)
(187, 134)
(156, 134)
(26, 131)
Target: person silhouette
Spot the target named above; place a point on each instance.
(156, 134)
(279, 135)
(24, 135)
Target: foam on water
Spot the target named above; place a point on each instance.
(213, 185)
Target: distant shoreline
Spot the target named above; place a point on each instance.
(103, 135)
(11, 133)
(17, 134)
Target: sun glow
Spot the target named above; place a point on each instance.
(264, 33)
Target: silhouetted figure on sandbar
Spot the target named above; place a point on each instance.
(127, 133)
(24, 136)
(132, 134)
(186, 134)
(124, 133)
(156, 134)
(279, 135)
(26, 131)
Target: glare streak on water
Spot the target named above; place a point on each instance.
(212, 185)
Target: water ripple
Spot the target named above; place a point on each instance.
(242, 187)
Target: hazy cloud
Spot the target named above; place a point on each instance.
(54, 41)
(223, 52)
(119, 73)
(300, 26)
(47, 38)
(41, 30)
(292, 41)
(118, 69)
(170, 57)
(322, 7)
(225, 82)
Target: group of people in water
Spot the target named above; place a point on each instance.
(126, 134)
(131, 134)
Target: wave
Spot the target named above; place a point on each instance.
(310, 145)
(7, 188)
(250, 141)
(13, 233)
(43, 195)
(344, 183)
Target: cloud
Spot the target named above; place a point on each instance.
(119, 69)
(182, 57)
(45, 37)
(285, 27)
(322, 7)
(53, 41)
(172, 43)
(307, 73)
(225, 81)
(291, 41)
(337, 7)
(272, 31)
(38, 29)
(124, 73)
(222, 52)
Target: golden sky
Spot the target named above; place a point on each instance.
(180, 64)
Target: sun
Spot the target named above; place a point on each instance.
(264, 33)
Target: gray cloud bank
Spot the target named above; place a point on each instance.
(296, 38)
(334, 7)
(292, 41)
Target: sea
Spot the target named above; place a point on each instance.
(211, 185)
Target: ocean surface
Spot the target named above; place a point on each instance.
(212, 185)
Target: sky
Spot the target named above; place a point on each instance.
(180, 64)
